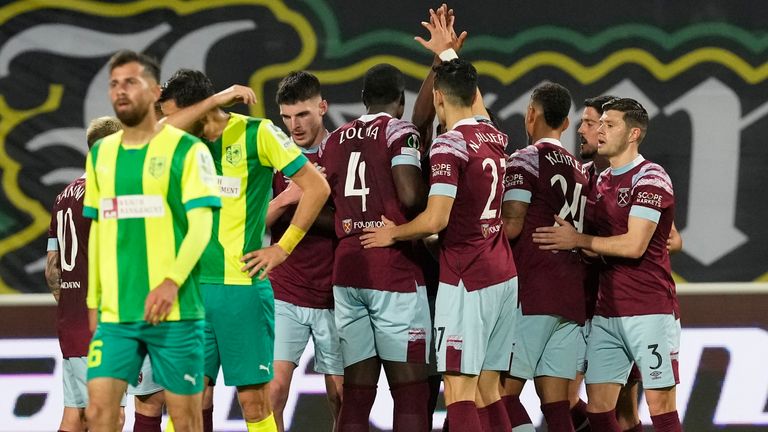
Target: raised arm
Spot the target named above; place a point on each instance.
(186, 118)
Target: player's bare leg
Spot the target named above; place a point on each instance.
(511, 389)
(279, 388)
(460, 392)
(148, 412)
(490, 408)
(256, 405)
(553, 393)
(208, 405)
(73, 420)
(578, 406)
(626, 408)
(601, 404)
(663, 408)
(185, 411)
(104, 395)
(334, 385)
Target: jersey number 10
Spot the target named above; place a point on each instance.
(65, 223)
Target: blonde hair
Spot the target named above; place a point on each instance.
(101, 127)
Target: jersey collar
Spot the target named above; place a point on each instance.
(465, 122)
(549, 140)
(369, 117)
(623, 169)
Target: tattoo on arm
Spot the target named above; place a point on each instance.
(53, 273)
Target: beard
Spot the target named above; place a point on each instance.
(132, 117)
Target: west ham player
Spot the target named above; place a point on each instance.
(238, 300)
(381, 306)
(66, 273)
(149, 194)
(302, 284)
(544, 179)
(474, 315)
(633, 210)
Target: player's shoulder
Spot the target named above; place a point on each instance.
(398, 128)
(526, 158)
(451, 142)
(652, 174)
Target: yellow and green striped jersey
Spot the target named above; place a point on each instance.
(140, 198)
(245, 156)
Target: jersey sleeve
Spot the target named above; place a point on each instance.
(199, 187)
(92, 194)
(403, 141)
(651, 193)
(276, 150)
(447, 159)
(522, 175)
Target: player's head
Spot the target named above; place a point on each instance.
(590, 120)
(624, 122)
(455, 86)
(186, 87)
(133, 86)
(548, 110)
(101, 127)
(384, 89)
(302, 107)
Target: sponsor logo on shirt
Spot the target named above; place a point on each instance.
(513, 180)
(233, 154)
(156, 166)
(281, 137)
(207, 170)
(649, 198)
(70, 285)
(441, 169)
(623, 197)
(488, 229)
(348, 225)
(413, 141)
(132, 207)
(229, 186)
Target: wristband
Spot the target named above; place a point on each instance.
(291, 237)
(448, 55)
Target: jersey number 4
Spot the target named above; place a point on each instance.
(355, 169)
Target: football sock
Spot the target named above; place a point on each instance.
(410, 406)
(266, 425)
(463, 417)
(668, 422)
(579, 417)
(558, 416)
(603, 422)
(208, 420)
(142, 423)
(638, 428)
(356, 407)
(516, 412)
(499, 419)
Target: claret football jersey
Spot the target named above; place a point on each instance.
(552, 182)
(641, 286)
(468, 163)
(359, 158)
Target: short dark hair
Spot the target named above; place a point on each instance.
(597, 102)
(555, 101)
(122, 57)
(186, 87)
(635, 115)
(457, 80)
(383, 84)
(297, 86)
(101, 127)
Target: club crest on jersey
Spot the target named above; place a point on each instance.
(485, 228)
(346, 225)
(156, 166)
(623, 197)
(233, 154)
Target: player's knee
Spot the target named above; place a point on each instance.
(255, 403)
(660, 401)
(278, 393)
(97, 412)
